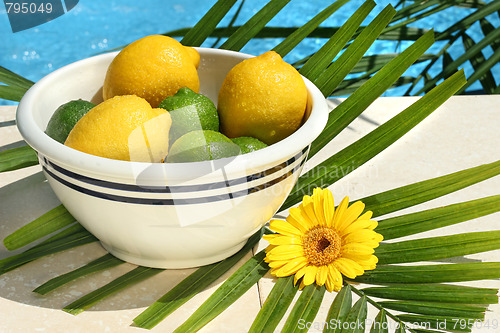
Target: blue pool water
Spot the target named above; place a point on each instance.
(97, 26)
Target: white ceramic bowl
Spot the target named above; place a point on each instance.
(162, 215)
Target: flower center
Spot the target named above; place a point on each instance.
(321, 246)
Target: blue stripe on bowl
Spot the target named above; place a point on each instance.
(173, 189)
(169, 201)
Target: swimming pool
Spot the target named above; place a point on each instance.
(97, 26)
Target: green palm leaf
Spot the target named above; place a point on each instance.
(431, 273)
(475, 16)
(435, 248)
(339, 310)
(356, 317)
(12, 79)
(435, 293)
(335, 73)
(487, 81)
(394, 34)
(42, 250)
(413, 194)
(104, 262)
(471, 52)
(413, 291)
(246, 32)
(15, 85)
(319, 61)
(351, 157)
(17, 158)
(190, 286)
(134, 276)
(431, 219)
(355, 104)
(305, 309)
(298, 35)
(197, 35)
(380, 324)
(12, 93)
(46, 224)
(235, 286)
(438, 309)
(275, 306)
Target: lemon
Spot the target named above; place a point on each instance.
(65, 117)
(262, 97)
(123, 128)
(153, 68)
(248, 144)
(190, 111)
(201, 145)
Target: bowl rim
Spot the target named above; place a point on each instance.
(105, 167)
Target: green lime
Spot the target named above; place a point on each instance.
(248, 144)
(201, 145)
(65, 117)
(190, 112)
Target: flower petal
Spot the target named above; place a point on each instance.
(277, 263)
(334, 281)
(357, 249)
(328, 207)
(285, 252)
(350, 215)
(358, 225)
(310, 275)
(286, 249)
(297, 219)
(339, 212)
(284, 228)
(348, 267)
(318, 203)
(366, 215)
(308, 210)
(360, 236)
(330, 285)
(291, 267)
(283, 240)
(356, 257)
(368, 264)
(301, 285)
(300, 273)
(321, 275)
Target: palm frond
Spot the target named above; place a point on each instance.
(190, 286)
(431, 219)
(437, 248)
(356, 154)
(320, 60)
(417, 292)
(197, 35)
(235, 286)
(293, 39)
(256, 23)
(275, 306)
(445, 293)
(17, 158)
(46, 224)
(134, 276)
(305, 309)
(105, 262)
(390, 274)
(339, 309)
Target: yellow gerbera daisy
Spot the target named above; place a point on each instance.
(319, 243)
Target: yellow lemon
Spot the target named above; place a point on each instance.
(123, 128)
(262, 97)
(153, 67)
